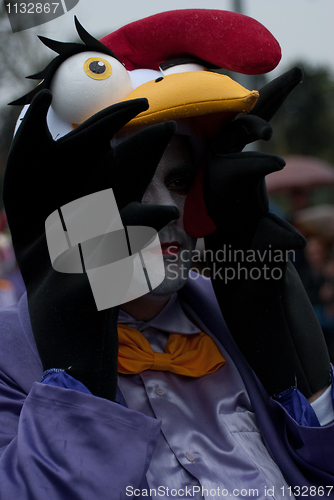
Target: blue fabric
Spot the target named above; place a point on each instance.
(59, 378)
(298, 407)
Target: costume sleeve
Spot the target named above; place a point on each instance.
(316, 414)
(59, 378)
(309, 442)
(60, 443)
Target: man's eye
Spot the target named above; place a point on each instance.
(180, 184)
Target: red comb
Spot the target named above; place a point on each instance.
(222, 38)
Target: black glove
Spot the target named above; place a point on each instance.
(250, 127)
(43, 175)
(258, 290)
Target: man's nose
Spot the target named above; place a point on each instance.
(158, 195)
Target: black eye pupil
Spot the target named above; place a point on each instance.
(97, 67)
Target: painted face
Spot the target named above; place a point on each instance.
(169, 186)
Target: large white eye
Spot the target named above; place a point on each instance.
(87, 83)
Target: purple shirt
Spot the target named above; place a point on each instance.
(200, 434)
(208, 423)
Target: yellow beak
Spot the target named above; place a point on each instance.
(210, 99)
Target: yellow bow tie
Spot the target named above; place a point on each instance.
(192, 355)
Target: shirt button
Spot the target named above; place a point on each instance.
(190, 457)
(160, 391)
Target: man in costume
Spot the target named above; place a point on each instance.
(243, 414)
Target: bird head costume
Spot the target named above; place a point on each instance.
(170, 59)
(130, 62)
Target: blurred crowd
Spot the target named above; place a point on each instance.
(304, 185)
(11, 282)
(315, 266)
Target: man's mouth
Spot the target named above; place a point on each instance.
(170, 248)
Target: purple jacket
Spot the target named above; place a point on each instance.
(60, 443)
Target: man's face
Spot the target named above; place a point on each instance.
(169, 186)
